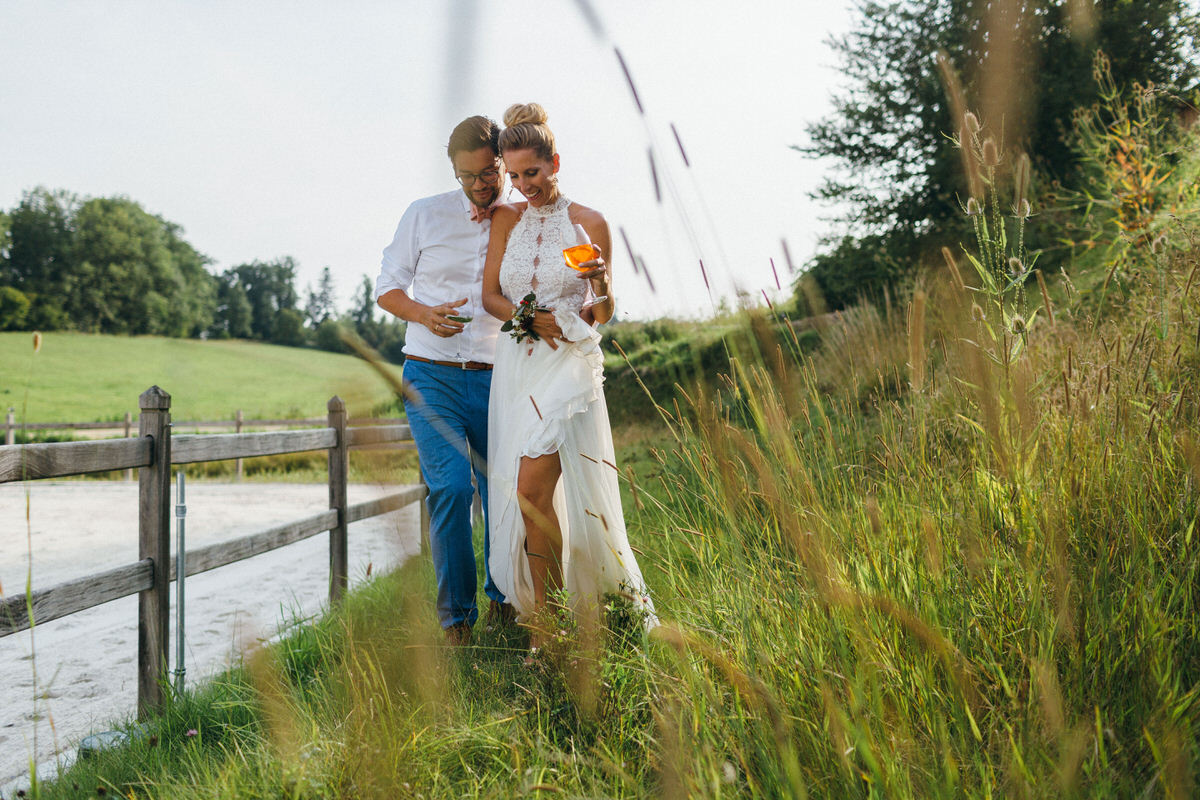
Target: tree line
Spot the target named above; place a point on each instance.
(1026, 68)
(106, 265)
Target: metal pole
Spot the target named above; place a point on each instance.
(180, 574)
(128, 433)
(237, 428)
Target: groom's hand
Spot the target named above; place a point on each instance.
(546, 327)
(435, 319)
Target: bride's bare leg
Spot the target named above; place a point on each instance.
(536, 481)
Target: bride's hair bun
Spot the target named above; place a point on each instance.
(522, 113)
(527, 130)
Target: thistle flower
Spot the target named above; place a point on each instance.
(973, 208)
(991, 154)
(1018, 324)
(1023, 209)
(1015, 267)
(977, 314)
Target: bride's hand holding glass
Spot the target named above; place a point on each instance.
(585, 258)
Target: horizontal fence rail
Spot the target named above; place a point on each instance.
(193, 448)
(359, 437)
(19, 462)
(153, 451)
(75, 595)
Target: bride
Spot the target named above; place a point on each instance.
(555, 505)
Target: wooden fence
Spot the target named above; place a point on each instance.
(152, 452)
(127, 427)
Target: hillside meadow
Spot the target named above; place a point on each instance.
(77, 377)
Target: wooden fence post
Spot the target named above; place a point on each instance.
(339, 468)
(237, 428)
(128, 433)
(154, 543)
(10, 425)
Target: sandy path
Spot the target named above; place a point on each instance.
(86, 662)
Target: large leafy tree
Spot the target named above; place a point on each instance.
(104, 265)
(269, 287)
(40, 258)
(1024, 66)
(136, 274)
(231, 320)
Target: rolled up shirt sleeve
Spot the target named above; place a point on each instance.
(399, 263)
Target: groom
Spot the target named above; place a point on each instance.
(432, 277)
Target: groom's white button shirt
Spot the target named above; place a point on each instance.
(437, 257)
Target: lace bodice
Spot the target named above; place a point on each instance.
(533, 260)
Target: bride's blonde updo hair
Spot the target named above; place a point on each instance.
(526, 129)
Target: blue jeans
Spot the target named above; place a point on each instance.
(450, 425)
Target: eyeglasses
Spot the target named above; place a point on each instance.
(467, 179)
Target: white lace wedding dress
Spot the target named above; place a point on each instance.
(545, 401)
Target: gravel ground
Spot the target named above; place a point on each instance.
(86, 662)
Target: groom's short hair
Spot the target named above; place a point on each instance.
(472, 134)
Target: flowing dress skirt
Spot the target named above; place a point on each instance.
(545, 401)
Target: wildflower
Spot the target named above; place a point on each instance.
(972, 207)
(1015, 267)
(192, 732)
(976, 312)
(991, 154)
(1018, 324)
(971, 123)
(1023, 209)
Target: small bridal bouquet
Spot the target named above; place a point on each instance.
(520, 327)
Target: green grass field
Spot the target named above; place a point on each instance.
(78, 377)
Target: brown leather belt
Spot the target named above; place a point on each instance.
(476, 365)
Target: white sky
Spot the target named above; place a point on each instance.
(305, 129)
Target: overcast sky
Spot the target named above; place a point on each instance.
(300, 128)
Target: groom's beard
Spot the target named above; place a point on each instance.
(486, 200)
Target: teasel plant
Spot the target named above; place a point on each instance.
(1002, 262)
